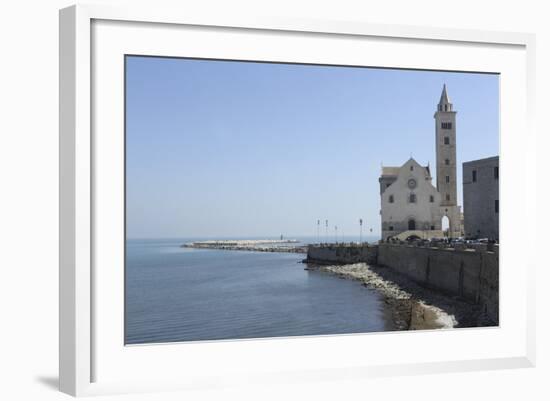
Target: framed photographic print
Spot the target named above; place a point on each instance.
(278, 200)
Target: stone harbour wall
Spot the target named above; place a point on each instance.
(335, 254)
(489, 284)
(470, 274)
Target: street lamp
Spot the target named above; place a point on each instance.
(318, 224)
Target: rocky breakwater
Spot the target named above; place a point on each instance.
(250, 245)
(413, 307)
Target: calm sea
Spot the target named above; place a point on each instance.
(183, 294)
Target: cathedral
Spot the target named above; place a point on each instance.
(411, 205)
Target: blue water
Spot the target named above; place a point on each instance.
(184, 294)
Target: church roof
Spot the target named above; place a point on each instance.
(394, 170)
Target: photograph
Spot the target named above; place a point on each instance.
(272, 199)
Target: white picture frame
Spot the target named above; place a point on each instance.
(82, 343)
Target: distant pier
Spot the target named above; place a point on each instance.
(263, 245)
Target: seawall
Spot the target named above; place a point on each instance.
(470, 274)
(409, 311)
(339, 254)
(467, 273)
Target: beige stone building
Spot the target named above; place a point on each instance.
(410, 204)
(480, 180)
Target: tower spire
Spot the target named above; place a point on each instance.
(445, 145)
(444, 101)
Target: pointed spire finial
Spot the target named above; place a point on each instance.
(444, 101)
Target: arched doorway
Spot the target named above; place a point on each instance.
(412, 224)
(413, 238)
(445, 226)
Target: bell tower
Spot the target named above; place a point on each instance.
(445, 148)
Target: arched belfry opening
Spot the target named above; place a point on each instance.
(445, 226)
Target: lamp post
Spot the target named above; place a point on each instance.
(326, 231)
(336, 234)
(318, 224)
(360, 231)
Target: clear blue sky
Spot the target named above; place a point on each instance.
(236, 149)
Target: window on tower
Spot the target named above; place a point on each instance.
(496, 206)
(474, 175)
(412, 198)
(447, 162)
(391, 199)
(447, 179)
(495, 172)
(447, 125)
(446, 140)
(448, 197)
(431, 199)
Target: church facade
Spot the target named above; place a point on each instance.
(410, 203)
